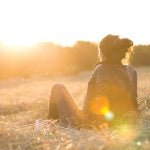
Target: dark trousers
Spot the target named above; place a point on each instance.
(63, 108)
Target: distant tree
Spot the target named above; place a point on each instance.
(85, 54)
(141, 56)
(51, 60)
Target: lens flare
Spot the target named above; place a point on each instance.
(104, 110)
(109, 115)
(128, 132)
(100, 106)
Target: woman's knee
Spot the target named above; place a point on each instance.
(57, 87)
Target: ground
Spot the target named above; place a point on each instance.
(24, 108)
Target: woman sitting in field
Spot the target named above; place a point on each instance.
(111, 92)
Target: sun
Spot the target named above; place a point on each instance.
(59, 21)
(19, 42)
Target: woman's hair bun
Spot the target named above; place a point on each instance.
(123, 43)
(114, 48)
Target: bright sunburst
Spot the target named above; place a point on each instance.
(24, 22)
(18, 42)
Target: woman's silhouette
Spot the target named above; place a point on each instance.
(111, 92)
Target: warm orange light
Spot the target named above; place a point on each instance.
(100, 106)
(104, 110)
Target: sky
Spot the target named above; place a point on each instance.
(25, 22)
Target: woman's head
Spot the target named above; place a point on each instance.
(113, 49)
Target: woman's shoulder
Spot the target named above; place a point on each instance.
(105, 69)
(101, 71)
(100, 67)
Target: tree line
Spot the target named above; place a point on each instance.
(49, 59)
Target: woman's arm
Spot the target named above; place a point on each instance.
(96, 92)
(89, 93)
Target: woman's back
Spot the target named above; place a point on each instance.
(114, 88)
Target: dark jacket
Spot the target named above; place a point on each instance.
(117, 84)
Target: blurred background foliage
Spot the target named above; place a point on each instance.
(49, 59)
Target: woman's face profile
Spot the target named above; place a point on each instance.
(100, 55)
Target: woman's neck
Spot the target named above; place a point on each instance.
(110, 63)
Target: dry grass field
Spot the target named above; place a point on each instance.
(24, 108)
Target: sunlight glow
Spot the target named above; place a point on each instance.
(127, 132)
(109, 115)
(19, 43)
(64, 22)
(100, 106)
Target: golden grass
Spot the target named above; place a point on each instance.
(24, 107)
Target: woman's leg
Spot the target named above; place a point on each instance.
(62, 107)
(52, 111)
